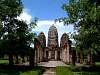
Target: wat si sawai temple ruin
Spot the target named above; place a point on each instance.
(52, 51)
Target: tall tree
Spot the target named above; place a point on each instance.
(16, 35)
(82, 13)
(9, 10)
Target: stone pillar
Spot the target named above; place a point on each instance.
(81, 57)
(70, 58)
(55, 55)
(67, 53)
(77, 58)
(90, 58)
(37, 54)
(35, 60)
(20, 59)
(14, 59)
(41, 54)
(49, 57)
(61, 55)
(25, 58)
(45, 54)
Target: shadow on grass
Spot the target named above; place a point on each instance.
(91, 68)
(19, 70)
(86, 73)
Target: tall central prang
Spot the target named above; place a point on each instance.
(53, 37)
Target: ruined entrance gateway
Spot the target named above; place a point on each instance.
(53, 51)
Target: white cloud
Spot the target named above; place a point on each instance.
(43, 26)
(48, 22)
(45, 22)
(25, 16)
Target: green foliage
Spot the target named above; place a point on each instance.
(10, 8)
(15, 35)
(83, 14)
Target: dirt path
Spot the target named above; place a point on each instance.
(49, 72)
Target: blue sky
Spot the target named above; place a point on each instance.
(47, 11)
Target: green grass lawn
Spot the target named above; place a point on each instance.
(29, 73)
(4, 61)
(63, 71)
(97, 63)
(69, 71)
(18, 70)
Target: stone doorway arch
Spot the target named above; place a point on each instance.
(52, 55)
(58, 55)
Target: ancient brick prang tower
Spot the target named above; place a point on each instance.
(53, 51)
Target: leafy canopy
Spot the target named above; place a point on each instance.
(83, 14)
